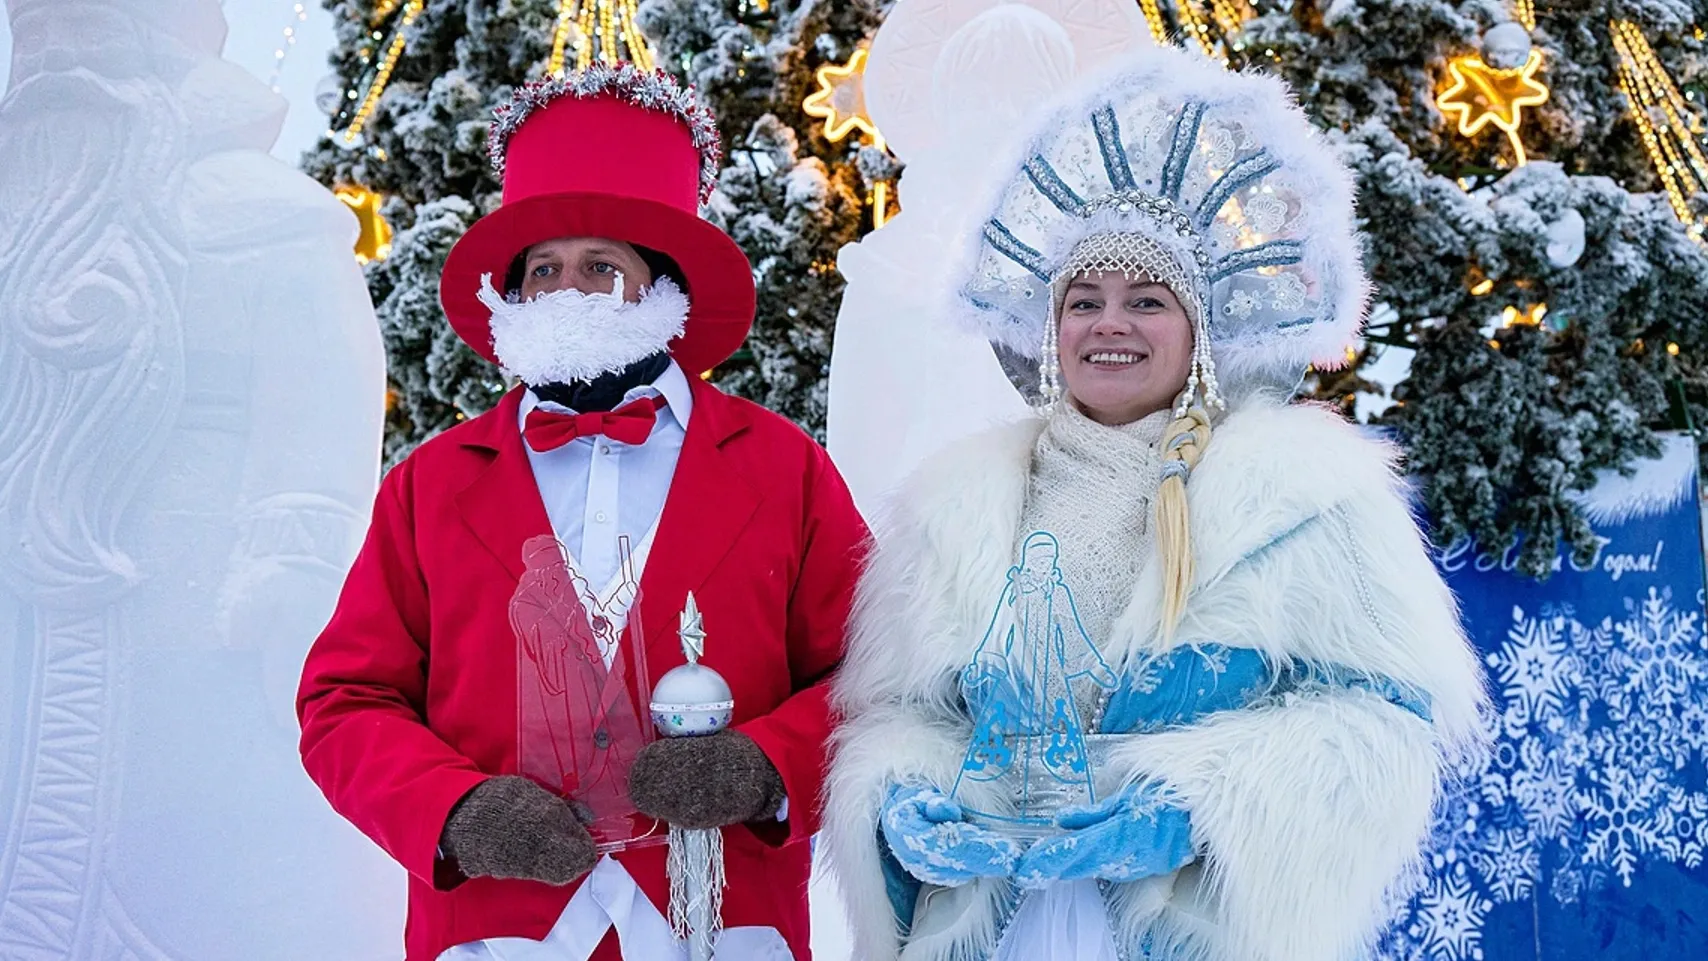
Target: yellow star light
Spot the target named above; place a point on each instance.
(841, 100)
(1481, 95)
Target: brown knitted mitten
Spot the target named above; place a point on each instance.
(705, 782)
(510, 827)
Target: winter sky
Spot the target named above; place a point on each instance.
(256, 30)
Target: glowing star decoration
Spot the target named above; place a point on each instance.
(374, 242)
(1481, 95)
(841, 100)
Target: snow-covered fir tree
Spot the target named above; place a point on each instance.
(423, 148)
(1505, 420)
(788, 196)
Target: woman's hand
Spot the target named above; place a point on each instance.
(1133, 835)
(928, 834)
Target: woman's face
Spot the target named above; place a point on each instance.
(1125, 346)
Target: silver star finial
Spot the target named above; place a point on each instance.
(692, 631)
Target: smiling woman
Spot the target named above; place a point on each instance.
(1125, 345)
(1242, 721)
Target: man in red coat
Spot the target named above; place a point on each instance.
(477, 704)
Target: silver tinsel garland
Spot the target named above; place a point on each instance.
(652, 90)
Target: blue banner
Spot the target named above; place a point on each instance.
(1583, 836)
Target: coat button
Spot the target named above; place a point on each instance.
(600, 517)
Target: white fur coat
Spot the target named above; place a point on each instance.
(1305, 812)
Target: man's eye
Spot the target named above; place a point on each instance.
(601, 267)
(542, 270)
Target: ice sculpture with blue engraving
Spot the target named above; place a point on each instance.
(1026, 688)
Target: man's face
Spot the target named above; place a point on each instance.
(587, 264)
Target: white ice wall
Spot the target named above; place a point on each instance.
(191, 391)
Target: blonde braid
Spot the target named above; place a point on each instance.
(1182, 444)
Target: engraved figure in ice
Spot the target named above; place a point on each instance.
(1025, 685)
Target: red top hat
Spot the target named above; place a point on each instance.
(610, 151)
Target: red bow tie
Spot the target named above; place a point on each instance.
(629, 424)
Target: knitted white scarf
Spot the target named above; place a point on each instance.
(1093, 487)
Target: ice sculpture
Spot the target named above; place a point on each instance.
(191, 395)
(1029, 685)
(946, 83)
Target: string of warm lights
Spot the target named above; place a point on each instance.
(560, 36)
(631, 31)
(1229, 16)
(602, 30)
(1192, 22)
(1153, 17)
(299, 14)
(1672, 148)
(584, 46)
(1526, 11)
(382, 76)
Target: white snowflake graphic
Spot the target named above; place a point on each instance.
(1660, 655)
(1534, 665)
(1511, 865)
(1621, 821)
(1449, 919)
(1602, 733)
(1544, 793)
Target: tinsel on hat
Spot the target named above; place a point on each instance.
(652, 90)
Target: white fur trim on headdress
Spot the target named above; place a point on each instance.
(565, 336)
(1222, 169)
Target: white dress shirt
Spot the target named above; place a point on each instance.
(597, 490)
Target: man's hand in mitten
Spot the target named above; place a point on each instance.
(510, 827)
(705, 782)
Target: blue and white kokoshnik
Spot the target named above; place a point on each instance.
(1218, 185)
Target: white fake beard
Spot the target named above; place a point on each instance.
(565, 336)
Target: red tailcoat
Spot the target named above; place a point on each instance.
(408, 697)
